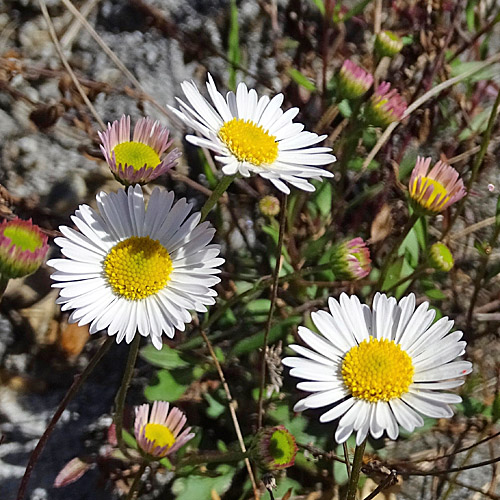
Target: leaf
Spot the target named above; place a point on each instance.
(357, 9)
(215, 409)
(324, 198)
(320, 5)
(301, 79)
(254, 342)
(201, 487)
(409, 247)
(165, 358)
(435, 294)
(167, 388)
(382, 224)
(487, 73)
(71, 472)
(345, 108)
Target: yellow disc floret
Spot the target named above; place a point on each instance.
(137, 267)
(429, 201)
(249, 142)
(160, 435)
(377, 370)
(136, 154)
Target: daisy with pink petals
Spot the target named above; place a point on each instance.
(385, 106)
(141, 159)
(353, 80)
(433, 190)
(159, 434)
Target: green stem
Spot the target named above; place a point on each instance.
(134, 490)
(274, 295)
(219, 190)
(419, 271)
(356, 469)
(390, 257)
(478, 161)
(213, 458)
(122, 392)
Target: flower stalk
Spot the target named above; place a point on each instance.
(219, 190)
(355, 471)
(122, 393)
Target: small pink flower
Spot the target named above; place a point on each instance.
(358, 259)
(434, 190)
(23, 248)
(353, 80)
(385, 106)
(141, 159)
(159, 434)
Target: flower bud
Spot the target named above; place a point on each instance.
(351, 260)
(353, 81)
(269, 206)
(440, 257)
(385, 106)
(274, 448)
(387, 43)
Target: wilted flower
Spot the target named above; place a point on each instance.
(351, 260)
(159, 434)
(387, 43)
(274, 448)
(353, 81)
(433, 190)
(141, 159)
(23, 248)
(133, 270)
(380, 368)
(385, 106)
(440, 257)
(254, 136)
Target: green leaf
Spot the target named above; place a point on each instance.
(165, 358)
(345, 108)
(234, 44)
(435, 294)
(254, 342)
(356, 10)
(320, 5)
(201, 487)
(167, 388)
(409, 247)
(301, 79)
(324, 198)
(488, 73)
(215, 409)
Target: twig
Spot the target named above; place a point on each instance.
(64, 60)
(231, 404)
(75, 386)
(274, 295)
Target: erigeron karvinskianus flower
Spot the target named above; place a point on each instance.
(351, 260)
(274, 448)
(254, 136)
(135, 269)
(141, 159)
(158, 433)
(385, 106)
(23, 248)
(387, 43)
(353, 81)
(440, 257)
(432, 190)
(380, 367)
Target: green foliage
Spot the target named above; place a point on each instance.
(201, 487)
(169, 387)
(301, 79)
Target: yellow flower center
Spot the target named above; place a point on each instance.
(377, 370)
(136, 154)
(138, 267)
(438, 191)
(249, 142)
(160, 435)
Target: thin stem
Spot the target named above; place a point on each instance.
(347, 462)
(356, 469)
(134, 490)
(219, 190)
(213, 458)
(478, 161)
(274, 295)
(122, 392)
(389, 259)
(232, 411)
(75, 386)
(419, 271)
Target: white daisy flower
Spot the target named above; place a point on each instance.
(132, 269)
(379, 367)
(254, 136)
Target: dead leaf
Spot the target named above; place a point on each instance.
(73, 339)
(382, 225)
